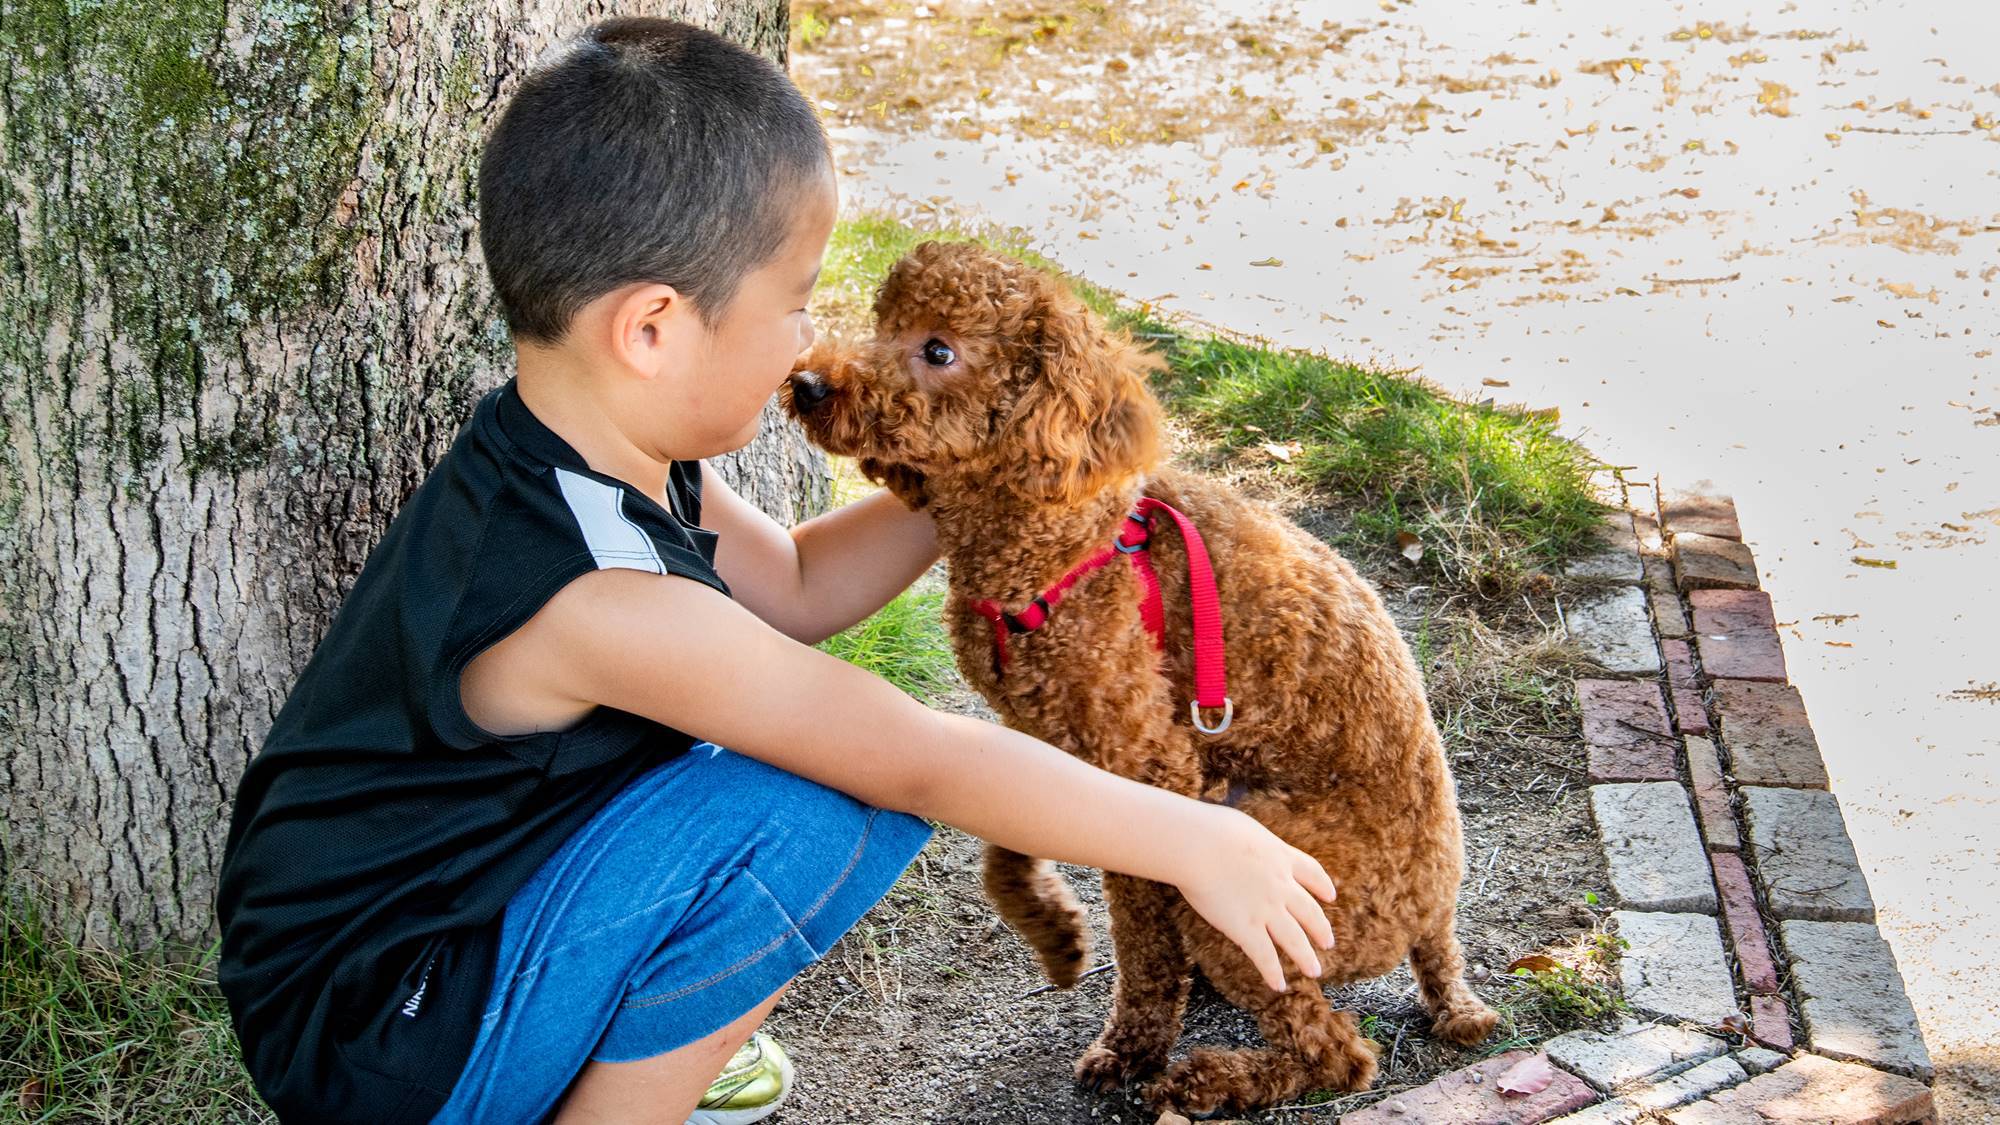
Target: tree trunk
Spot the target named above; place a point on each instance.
(242, 311)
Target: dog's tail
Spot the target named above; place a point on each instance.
(1040, 906)
(1457, 1015)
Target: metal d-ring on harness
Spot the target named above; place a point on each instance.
(1211, 686)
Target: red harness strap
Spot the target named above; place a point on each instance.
(1210, 673)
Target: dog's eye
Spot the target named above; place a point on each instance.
(938, 354)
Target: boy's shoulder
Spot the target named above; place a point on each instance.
(508, 517)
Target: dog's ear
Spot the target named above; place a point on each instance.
(1087, 418)
(905, 482)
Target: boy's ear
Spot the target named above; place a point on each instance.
(643, 326)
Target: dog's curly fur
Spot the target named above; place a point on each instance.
(1029, 435)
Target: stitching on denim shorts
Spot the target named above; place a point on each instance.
(852, 861)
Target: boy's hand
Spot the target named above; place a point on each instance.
(1259, 891)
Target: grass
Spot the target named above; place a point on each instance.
(1572, 989)
(1493, 495)
(90, 1035)
(904, 643)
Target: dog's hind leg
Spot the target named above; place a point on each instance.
(1152, 990)
(1312, 1046)
(1042, 909)
(1457, 1016)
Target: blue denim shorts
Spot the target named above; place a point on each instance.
(697, 892)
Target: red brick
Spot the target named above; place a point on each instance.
(1626, 729)
(1690, 714)
(1746, 926)
(1711, 797)
(1771, 1022)
(1737, 635)
(1769, 736)
(1468, 1097)
(1705, 562)
(1702, 513)
(1810, 1089)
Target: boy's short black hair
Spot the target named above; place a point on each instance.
(648, 150)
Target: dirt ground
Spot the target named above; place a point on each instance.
(932, 1010)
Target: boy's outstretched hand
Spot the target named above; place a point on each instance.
(1259, 892)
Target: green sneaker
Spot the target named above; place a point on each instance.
(753, 1085)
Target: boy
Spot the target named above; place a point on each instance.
(478, 871)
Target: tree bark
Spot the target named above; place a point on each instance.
(242, 311)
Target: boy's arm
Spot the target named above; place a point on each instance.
(678, 652)
(823, 575)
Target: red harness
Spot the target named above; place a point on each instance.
(1211, 688)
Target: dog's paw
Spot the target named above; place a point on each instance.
(1100, 1070)
(1203, 1085)
(1466, 1026)
(1352, 1067)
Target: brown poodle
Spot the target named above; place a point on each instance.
(995, 399)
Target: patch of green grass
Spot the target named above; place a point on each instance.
(1493, 494)
(904, 643)
(92, 1035)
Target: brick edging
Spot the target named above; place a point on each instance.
(1748, 917)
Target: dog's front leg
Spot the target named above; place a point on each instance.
(1152, 987)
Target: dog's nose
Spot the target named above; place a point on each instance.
(808, 390)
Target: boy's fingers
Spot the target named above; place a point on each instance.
(1316, 879)
(1292, 939)
(1313, 917)
(1264, 955)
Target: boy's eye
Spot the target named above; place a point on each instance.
(937, 353)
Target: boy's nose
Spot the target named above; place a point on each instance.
(808, 390)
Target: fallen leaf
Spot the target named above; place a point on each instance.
(1736, 1023)
(1495, 383)
(1884, 564)
(1531, 1075)
(1268, 262)
(1839, 644)
(1410, 545)
(1283, 452)
(32, 1097)
(1534, 963)
(1172, 1118)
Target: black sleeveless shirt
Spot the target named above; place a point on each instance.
(379, 833)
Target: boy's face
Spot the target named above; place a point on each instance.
(750, 352)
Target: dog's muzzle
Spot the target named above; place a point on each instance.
(809, 389)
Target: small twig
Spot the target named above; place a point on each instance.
(1085, 975)
(828, 1018)
(1695, 281)
(1491, 859)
